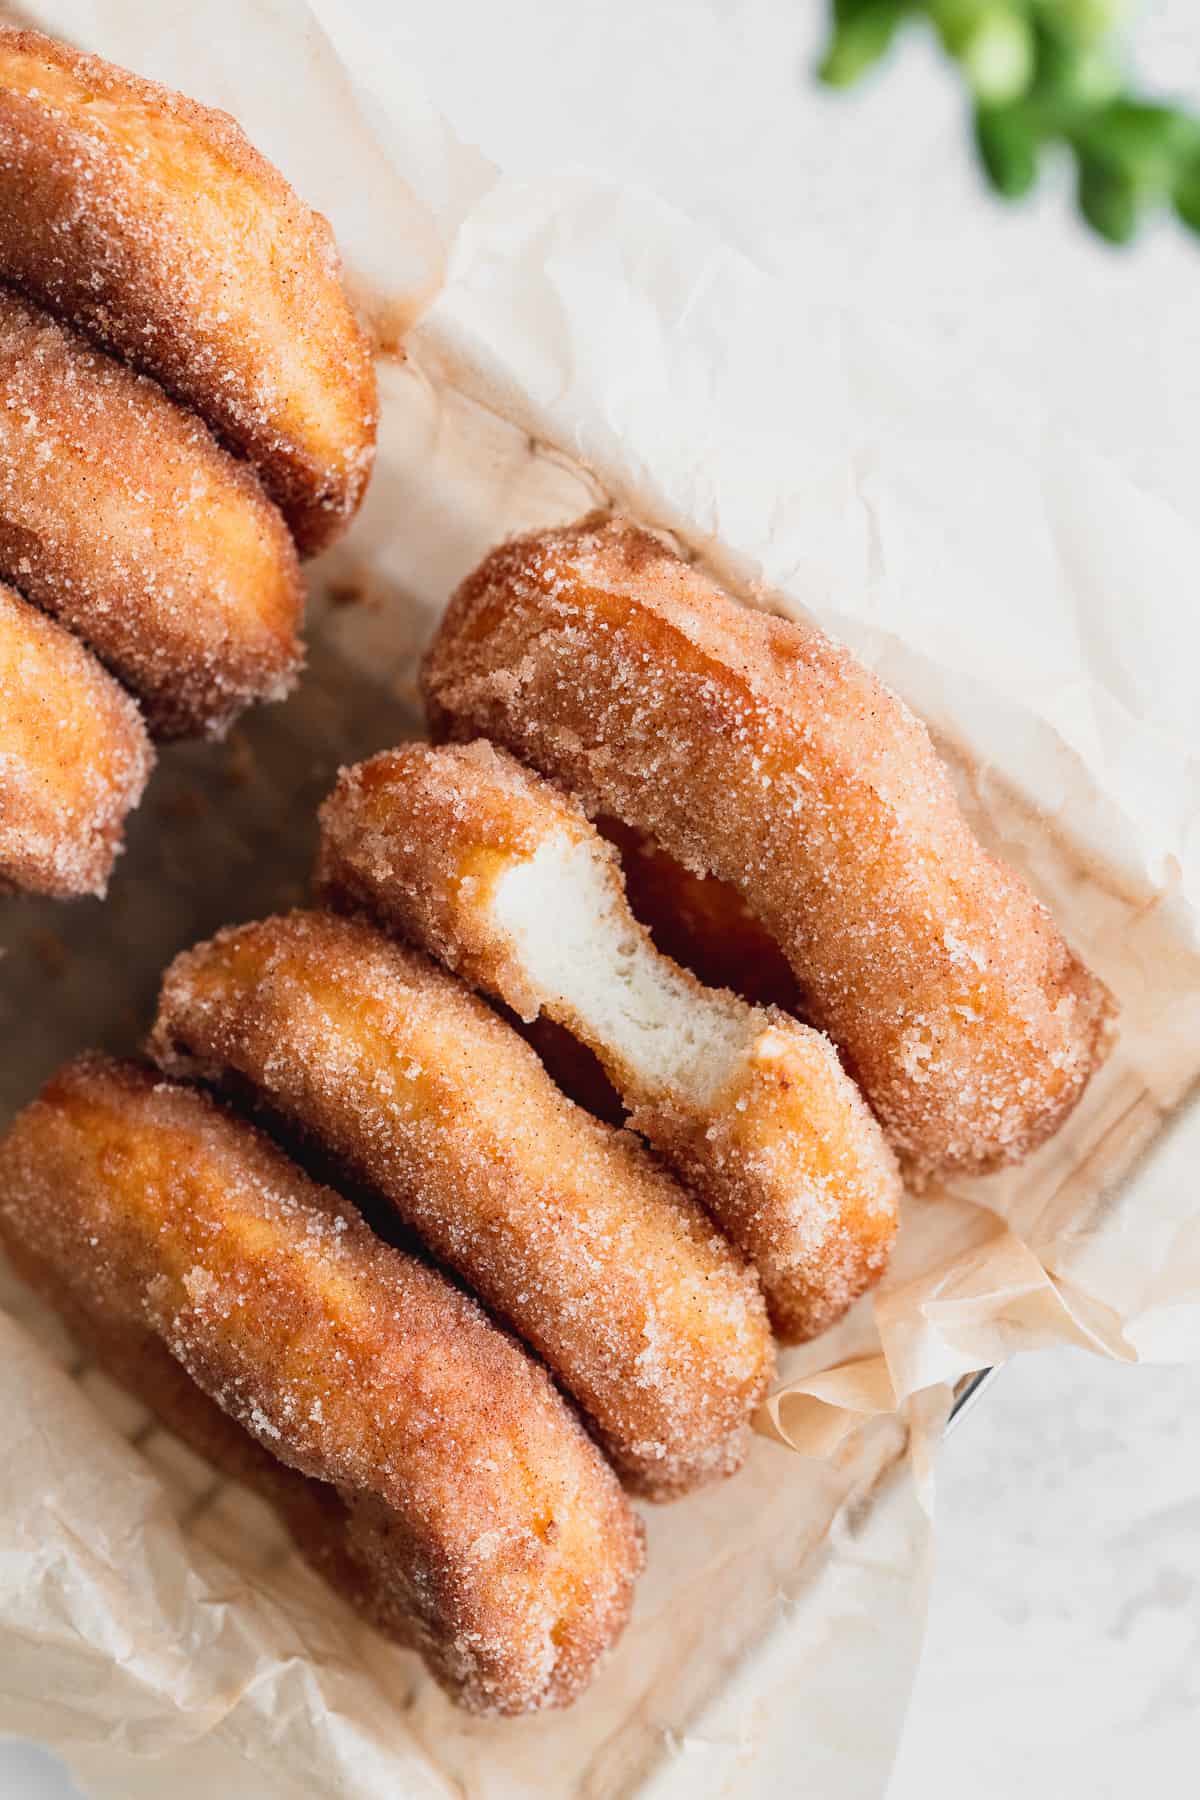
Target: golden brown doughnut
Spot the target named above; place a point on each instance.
(486, 866)
(754, 749)
(565, 1227)
(152, 224)
(472, 1518)
(120, 514)
(316, 1517)
(74, 758)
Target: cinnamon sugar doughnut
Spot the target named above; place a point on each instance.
(565, 1227)
(154, 225)
(120, 514)
(488, 867)
(74, 758)
(754, 749)
(314, 1513)
(466, 1510)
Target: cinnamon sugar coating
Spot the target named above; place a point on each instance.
(565, 1227)
(133, 1354)
(433, 1471)
(121, 515)
(751, 1107)
(151, 223)
(419, 836)
(754, 749)
(74, 758)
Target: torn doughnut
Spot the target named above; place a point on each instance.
(491, 869)
(74, 758)
(466, 1511)
(754, 749)
(565, 1227)
(121, 515)
(702, 923)
(152, 224)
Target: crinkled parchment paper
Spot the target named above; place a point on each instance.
(570, 342)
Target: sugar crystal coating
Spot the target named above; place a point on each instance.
(151, 223)
(120, 514)
(564, 1226)
(74, 758)
(432, 1471)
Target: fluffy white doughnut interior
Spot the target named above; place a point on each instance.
(570, 927)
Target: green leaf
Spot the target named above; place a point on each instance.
(1045, 73)
(1187, 195)
(1073, 78)
(1108, 199)
(1148, 142)
(1007, 141)
(997, 56)
(991, 40)
(1084, 22)
(956, 20)
(862, 33)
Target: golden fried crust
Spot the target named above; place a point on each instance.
(480, 1524)
(74, 758)
(120, 514)
(156, 227)
(754, 749)
(416, 836)
(316, 1516)
(757, 1114)
(357, 854)
(564, 1226)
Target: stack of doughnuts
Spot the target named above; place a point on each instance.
(188, 407)
(906, 1003)
(424, 1463)
(456, 1474)
(502, 877)
(754, 750)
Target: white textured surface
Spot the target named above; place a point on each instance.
(28, 1773)
(1062, 1655)
(784, 171)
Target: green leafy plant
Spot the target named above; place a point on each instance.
(1040, 74)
